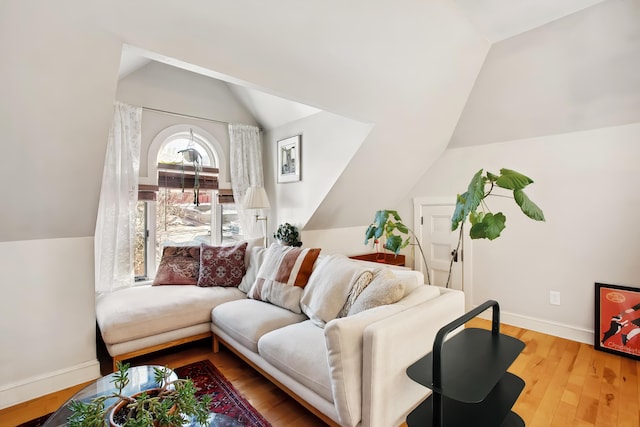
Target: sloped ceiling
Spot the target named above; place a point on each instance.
(576, 73)
(492, 20)
(407, 67)
(501, 19)
(496, 20)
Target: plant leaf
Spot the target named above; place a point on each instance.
(393, 243)
(394, 214)
(470, 200)
(492, 177)
(489, 227)
(512, 180)
(529, 208)
(381, 218)
(402, 228)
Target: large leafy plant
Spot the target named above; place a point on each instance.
(388, 223)
(484, 223)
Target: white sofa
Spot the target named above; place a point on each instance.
(349, 371)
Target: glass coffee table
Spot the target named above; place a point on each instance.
(140, 378)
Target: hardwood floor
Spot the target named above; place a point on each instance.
(567, 384)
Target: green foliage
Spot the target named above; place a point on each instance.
(147, 407)
(486, 225)
(288, 235)
(389, 224)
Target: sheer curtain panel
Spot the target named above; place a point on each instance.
(245, 159)
(115, 225)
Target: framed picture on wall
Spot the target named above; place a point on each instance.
(289, 159)
(617, 326)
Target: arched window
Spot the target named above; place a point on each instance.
(184, 167)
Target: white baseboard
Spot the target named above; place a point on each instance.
(31, 388)
(569, 332)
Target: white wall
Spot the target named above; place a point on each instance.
(328, 145)
(586, 184)
(47, 320)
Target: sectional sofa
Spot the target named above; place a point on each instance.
(334, 333)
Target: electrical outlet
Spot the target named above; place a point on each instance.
(554, 297)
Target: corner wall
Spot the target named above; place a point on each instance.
(47, 327)
(586, 184)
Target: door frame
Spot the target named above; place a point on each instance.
(467, 254)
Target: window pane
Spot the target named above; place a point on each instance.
(170, 152)
(231, 228)
(180, 221)
(140, 250)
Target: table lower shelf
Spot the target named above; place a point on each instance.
(495, 410)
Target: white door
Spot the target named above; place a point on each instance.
(440, 244)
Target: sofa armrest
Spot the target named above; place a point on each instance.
(390, 346)
(344, 339)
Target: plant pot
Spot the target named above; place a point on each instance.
(115, 418)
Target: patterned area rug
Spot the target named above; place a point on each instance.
(225, 398)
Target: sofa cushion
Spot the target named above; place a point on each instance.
(179, 265)
(283, 274)
(300, 351)
(381, 291)
(222, 265)
(329, 286)
(247, 320)
(142, 311)
(253, 260)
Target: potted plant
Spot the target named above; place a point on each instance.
(472, 204)
(389, 224)
(287, 235)
(484, 223)
(168, 405)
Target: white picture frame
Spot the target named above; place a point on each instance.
(289, 159)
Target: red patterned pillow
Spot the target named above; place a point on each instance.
(179, 265)
(222, 265)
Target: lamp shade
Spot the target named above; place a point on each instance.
(256, 198)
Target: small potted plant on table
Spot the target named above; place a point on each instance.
(171, 404)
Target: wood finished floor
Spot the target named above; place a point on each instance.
(567, 384)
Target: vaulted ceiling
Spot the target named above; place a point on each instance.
(496, 20)
(425, 74)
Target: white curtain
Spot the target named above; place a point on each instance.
(115, 226)
(246, 171)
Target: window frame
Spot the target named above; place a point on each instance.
(215, 152)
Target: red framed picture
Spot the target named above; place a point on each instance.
(617, 322)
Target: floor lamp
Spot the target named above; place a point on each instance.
(256, 198)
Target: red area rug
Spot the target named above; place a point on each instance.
(225, 398)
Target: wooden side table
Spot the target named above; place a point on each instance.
(381, 257)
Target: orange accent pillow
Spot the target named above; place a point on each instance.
(283, 274)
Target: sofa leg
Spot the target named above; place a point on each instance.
(216, 344)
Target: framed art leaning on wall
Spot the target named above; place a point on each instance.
(617, 326)
(289, 159)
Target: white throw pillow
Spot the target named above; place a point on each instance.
(255, 256)
(328, 289)
(383, 290)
